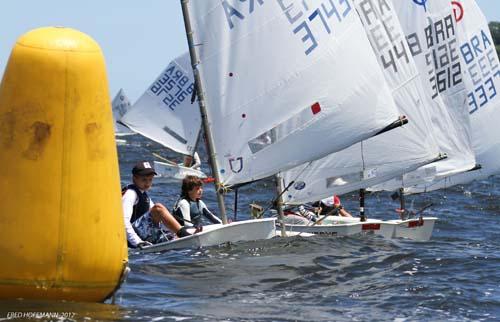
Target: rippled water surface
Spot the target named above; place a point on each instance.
(454, 277)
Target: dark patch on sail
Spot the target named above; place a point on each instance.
(174, 135)
(39, 139)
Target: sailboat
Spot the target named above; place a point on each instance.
(314, 72)
(120, 105)
(480, 73)
(381, 158)
(165, 114)
(431, 31)
(464, 45)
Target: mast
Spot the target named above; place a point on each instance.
(279, 204)
(362, 216)
(235, 204)
(203, 110)
(402, 203)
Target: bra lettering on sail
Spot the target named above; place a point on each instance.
(440, 31)
(164, 113)
(480, 56)
(173, 86)
(443, 62)
(444, 66)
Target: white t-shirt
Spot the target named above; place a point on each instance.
(129, 200)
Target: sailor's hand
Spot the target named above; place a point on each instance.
(143, 244)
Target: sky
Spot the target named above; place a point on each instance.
(138, 37)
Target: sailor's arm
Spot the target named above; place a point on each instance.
(128, 201)
(344, 212)
(208, 214)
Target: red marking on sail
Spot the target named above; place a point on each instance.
(415, 223)
(316, 108)
(458, 10)
(370, 227)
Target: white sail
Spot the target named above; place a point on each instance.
(164, 112)
(301, 69)
(120, 105)
(481, 74)
(431, 33)
(390, 154)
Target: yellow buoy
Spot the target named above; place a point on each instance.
(61, 220)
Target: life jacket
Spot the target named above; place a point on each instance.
(142, 205)
(194, 211)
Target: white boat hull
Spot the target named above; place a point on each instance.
(415, 229)
(218, 234)
(167, 170)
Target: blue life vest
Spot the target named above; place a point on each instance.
(194, 211)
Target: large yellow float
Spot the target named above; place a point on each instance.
(61, 223)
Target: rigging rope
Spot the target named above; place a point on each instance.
(275, 200)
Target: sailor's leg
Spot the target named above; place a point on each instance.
(344, 213)
(160, 213)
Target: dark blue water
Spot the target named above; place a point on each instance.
(453, 277)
